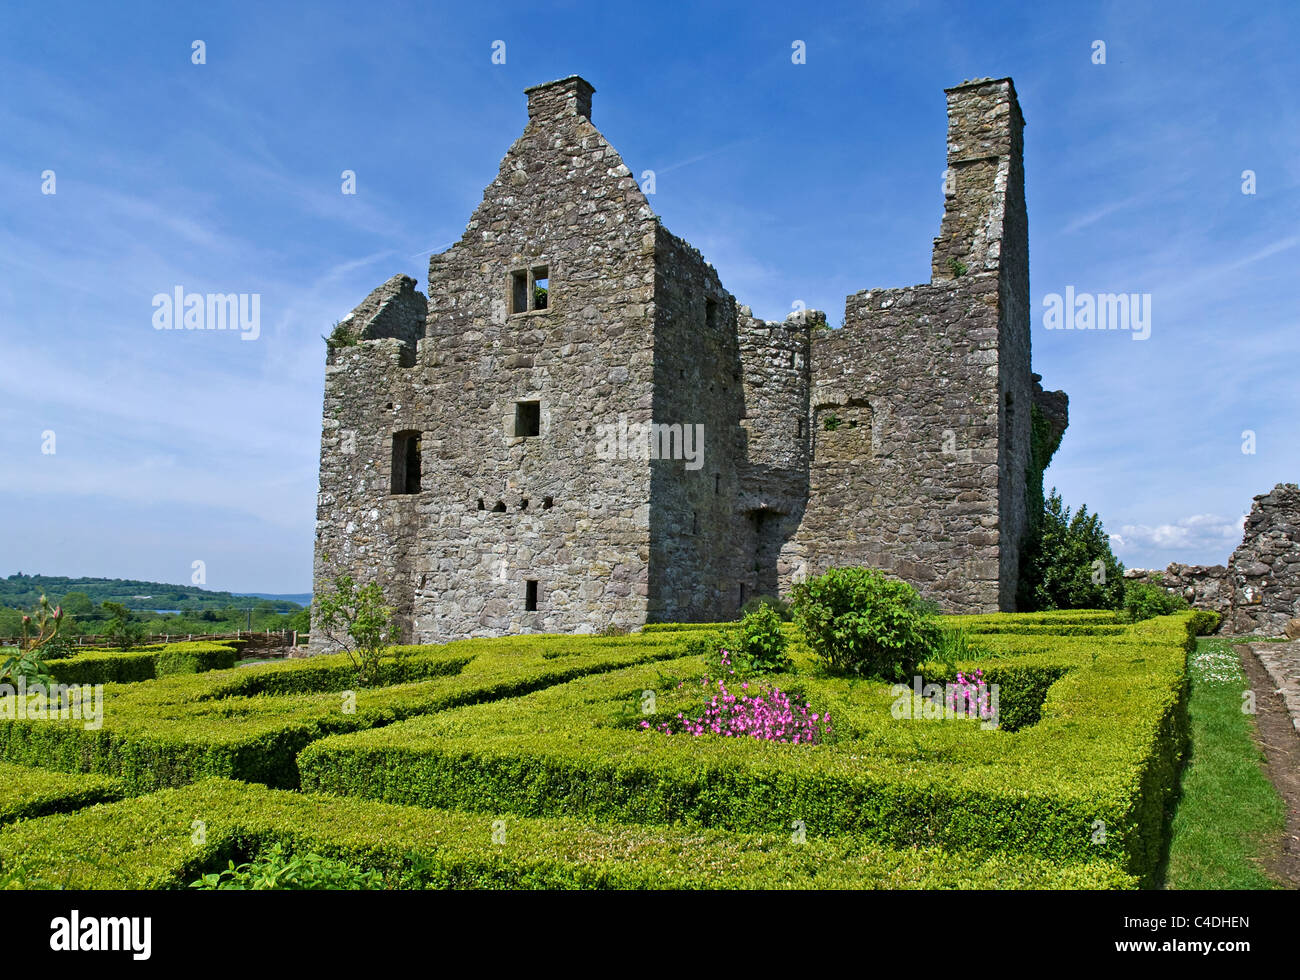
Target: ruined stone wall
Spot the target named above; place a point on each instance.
(697, 382)
(905, 416)
(1202, 586)
(921, 403)
(1264, 571)
(497, 508)
(776, 434)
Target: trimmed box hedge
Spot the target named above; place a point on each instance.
(167, 839)
(34, 792)
(175, 730)
(126, 667)
(1091, 778)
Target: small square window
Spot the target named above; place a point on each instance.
(530, 595)
(528, 419)
(530, 289)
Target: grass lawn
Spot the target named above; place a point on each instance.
(1229, 811)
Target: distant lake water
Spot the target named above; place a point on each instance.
(302, 598)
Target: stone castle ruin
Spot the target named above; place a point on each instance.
(486, 451)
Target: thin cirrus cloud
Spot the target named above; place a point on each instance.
(1205, 536)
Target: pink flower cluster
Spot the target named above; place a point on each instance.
(770, 715)
(971, 693)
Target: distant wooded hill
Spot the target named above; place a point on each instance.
(24, 591)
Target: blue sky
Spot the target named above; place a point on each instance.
(798, 182)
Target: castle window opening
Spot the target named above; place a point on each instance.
(528, 419)
(406, 462)
(530, 289)
(500, 507)
(530, 595)
(519, 291)
(548, 503)
(711, 314)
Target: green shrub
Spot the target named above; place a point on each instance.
(955, 644)
(861, 623)
(759, 642)
(683, 627)
(1146, 600)
(1067, 563)
(357, 620)
(273, 870)
(781, 607)
(124, 631)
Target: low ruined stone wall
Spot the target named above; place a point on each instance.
(1203, 586)
(1258, 592)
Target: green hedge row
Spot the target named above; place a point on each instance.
(337, 672)
(1039, 629)
(166, 840)
(34, 792)
(684, 627)
(1092, 778)
(175, 730)
(117, 667)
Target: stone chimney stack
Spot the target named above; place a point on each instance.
(564, 97)
(984, 222)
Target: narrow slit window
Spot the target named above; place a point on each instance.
(717, 483)
(711, 314)
(530, 595)
(406, 463)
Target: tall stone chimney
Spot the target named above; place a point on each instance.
(984, 223)
(563, 97)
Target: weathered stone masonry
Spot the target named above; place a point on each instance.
(459, 460)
